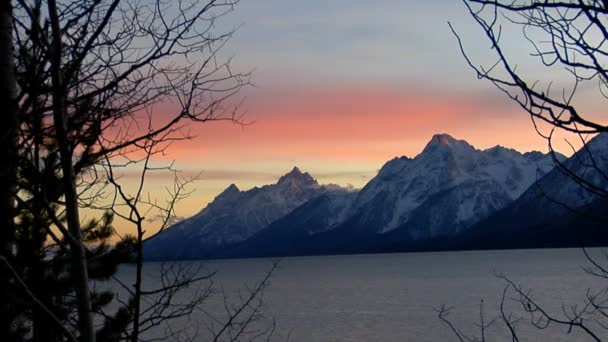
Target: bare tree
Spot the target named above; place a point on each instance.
(518, 305)
(66, 150)
(155, 309)
(88, 77)
(567, 34)
(567, 37)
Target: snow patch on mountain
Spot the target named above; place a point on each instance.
(235, 215)
(403, 184)
(560, 186)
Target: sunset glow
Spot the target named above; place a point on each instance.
(339, 135)
(338, 104)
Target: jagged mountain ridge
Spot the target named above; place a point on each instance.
(441, 193)
(556, 206)
(234, 216)
(470, 184)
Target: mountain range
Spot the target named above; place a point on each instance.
(450, 196)
(235, 216)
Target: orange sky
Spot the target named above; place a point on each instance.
(343, 87)
(354, 128)
(339, 134)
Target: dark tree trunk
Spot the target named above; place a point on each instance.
(8, 161)
(78, 255)
(8, 129)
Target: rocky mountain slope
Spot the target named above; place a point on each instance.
(234, 216)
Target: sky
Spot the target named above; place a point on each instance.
(343, 86)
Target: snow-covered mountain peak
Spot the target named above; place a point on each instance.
(234, 215)
(297, 179)
(230, 193)
(231, 189)
(534, 156)
(470, 183)
(443, 140)
(393, 167)
(498, 149)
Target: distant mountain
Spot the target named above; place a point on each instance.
(450, 196)
(556, 210)
(234, 216)
(292, 234)
(445, 189)
(441, 192)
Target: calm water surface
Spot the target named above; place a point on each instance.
(392, 297)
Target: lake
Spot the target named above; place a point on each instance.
(393, 297)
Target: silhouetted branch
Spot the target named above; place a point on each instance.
(590, 317)
(567, 34)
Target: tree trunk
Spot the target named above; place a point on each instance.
(8, 162)
(8, 130)
(79, 261)
(138, 283)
